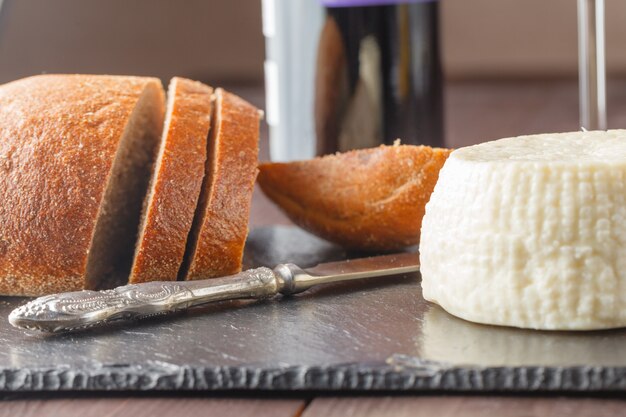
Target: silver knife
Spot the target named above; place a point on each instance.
(84, 309)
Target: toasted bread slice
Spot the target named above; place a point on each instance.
(370, 199)
(176, 180)
(220, 226)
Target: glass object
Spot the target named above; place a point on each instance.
(591, 64)
(347, 74)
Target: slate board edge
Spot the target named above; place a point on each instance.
(161, 376)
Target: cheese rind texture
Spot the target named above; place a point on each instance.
(530, 232)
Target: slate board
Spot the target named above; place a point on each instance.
(377, 335)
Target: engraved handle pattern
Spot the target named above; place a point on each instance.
(84, 309)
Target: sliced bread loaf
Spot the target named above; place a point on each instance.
(220, 227)
(75, 156)
(175, 187)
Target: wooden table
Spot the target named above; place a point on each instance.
(475, 112)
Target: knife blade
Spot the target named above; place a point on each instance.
(79, 310)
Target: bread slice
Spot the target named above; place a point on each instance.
(75, 153)
(175, 187)
(220, 225)
(370, 199)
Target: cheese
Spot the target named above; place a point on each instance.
(531, 232)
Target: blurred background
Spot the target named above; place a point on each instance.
(221, 40)
(516, 58)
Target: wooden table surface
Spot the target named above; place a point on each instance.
(475, 112)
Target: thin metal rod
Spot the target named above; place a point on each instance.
(591, 64)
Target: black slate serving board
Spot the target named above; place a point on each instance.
(376, 335)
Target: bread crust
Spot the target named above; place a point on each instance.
(221, 224)
(169, 209)
(370, 199)
(58, 139)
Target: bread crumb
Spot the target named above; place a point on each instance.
(397, 142)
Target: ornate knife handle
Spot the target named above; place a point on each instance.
(83, 309)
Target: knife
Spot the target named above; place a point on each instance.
(79, 310)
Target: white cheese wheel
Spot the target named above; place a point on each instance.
(531, 232)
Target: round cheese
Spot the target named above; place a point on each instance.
(531, 232)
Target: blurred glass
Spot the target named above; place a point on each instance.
(349, 74)
(591, 64)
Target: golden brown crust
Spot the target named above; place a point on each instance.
(221, 225)
(176, 183)
(370, 199)
(58, 138)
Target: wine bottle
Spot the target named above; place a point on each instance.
(373, 76)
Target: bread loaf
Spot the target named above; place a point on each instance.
(370, 199)
(220, 226)
(75, 153)
(175, 187)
